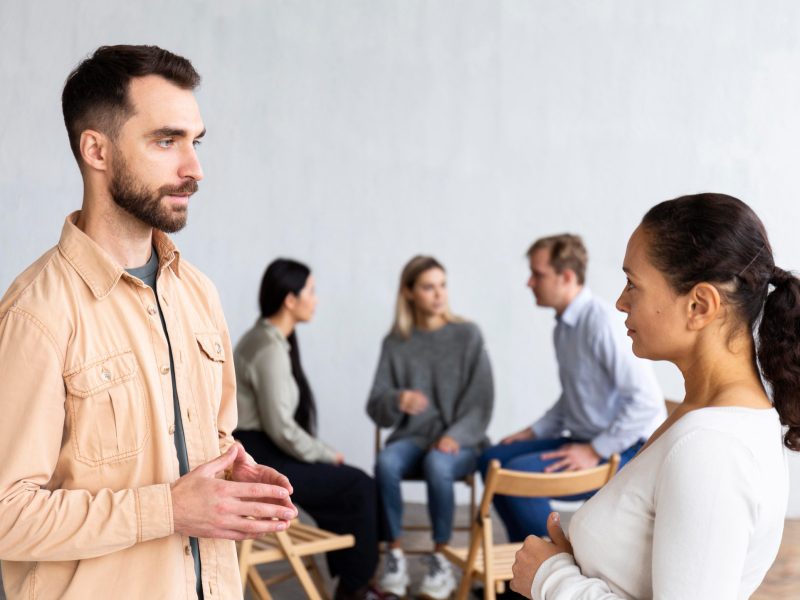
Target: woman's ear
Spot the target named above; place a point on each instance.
(290, 301)
(408, 294)
(704, 305)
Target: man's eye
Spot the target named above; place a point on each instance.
(197, 143)
(164, 143)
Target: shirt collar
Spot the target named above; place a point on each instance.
(570, 315)
(274, 332)
(97, 268)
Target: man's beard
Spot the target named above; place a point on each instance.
(145, 204)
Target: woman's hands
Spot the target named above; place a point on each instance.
(412, 402)
(534, 552)
(447, 445)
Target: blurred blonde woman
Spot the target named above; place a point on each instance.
(433, 387)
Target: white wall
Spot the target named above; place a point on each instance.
(353, 134)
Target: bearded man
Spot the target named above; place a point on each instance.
(117, 386)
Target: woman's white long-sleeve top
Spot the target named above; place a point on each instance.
(697, 516)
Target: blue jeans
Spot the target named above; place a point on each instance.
(528, 516)
(403, 458)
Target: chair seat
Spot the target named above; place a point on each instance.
(502, 560)
(306, 540)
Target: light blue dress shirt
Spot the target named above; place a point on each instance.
(609, 397)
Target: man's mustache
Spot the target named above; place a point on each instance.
(189, 187)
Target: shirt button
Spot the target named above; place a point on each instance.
(171, 429)
(165, 369)
(151, 310)
(187, 550)
(106, 375)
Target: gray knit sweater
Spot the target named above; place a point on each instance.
(451, 367)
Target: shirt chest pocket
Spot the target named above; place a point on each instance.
(212, 358)
(106, 411)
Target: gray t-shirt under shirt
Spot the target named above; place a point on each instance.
(148, 274)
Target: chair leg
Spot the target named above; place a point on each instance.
(257, 583)
(472, 501)
(469, 563)
(297, 565)
(489, 592)
(464, 587)
(313, 569)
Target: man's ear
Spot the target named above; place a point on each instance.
(703, 306)
(569, 276)
(95, 149)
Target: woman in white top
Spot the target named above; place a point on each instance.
(698, 514)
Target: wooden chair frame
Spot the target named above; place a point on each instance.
(297, 545)
(490, 563)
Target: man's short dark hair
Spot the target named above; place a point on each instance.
(566, 252)
(95, 95)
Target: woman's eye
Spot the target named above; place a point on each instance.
(628, 285)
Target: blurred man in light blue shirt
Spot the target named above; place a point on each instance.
(610, 401)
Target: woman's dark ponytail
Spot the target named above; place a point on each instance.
(306, 413)
(779, 350)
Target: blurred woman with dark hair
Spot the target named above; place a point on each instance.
(277, 426)
(699, 512)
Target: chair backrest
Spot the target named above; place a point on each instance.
(544, 485)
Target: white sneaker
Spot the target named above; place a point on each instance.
(395, 573)
(438, 583)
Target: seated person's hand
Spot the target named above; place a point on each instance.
(447, 444)
(413, 402)
(338, 459)
(574, 457)
(524, 434)
(534, 552)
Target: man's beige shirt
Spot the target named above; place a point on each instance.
(87, 452)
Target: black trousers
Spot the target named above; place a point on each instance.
(340, 498)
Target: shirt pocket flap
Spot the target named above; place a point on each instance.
(211, 344)
(102, 374)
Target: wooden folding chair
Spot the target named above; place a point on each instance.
(297, 545)
(468, 480)
(490, 563)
